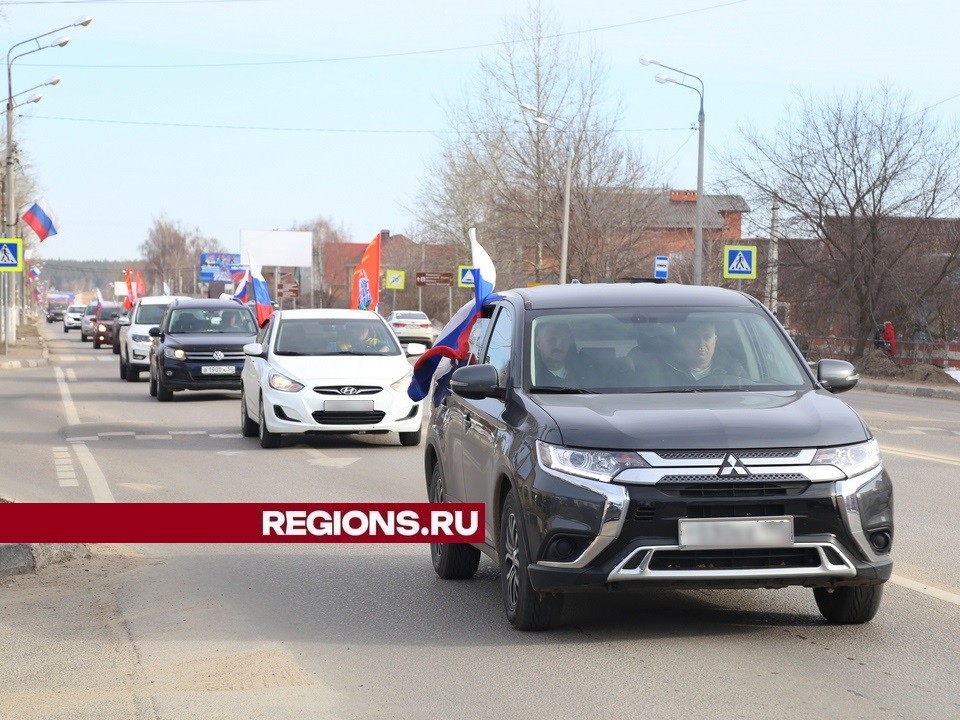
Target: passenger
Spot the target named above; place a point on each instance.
(556, 361)
(696, 358)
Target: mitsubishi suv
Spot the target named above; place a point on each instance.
(655, 435)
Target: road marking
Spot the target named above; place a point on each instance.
(71, 375)
(226, 435)
(188, 432)
(68, 358)
(153, 437)
(904, 432)
(921, 456)
(925, 429)
(231, 452)
(98, 483)
(63, 464)
(118, 433)
(70, 410)
(321, 459)
(926, 589)
(104, 358)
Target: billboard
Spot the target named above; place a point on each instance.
(277, 248)
(218, 266)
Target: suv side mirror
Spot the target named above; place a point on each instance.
(477, 382)
(837, 376)
(123, 320)
(154, 332)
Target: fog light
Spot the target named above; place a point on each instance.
(880, 541)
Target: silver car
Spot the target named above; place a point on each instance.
(86, 324)
(73, 317)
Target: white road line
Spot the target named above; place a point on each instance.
(71, 375)
(153, 437)
(68, 358)
(98, 483)
(119, 433)
(104, 358)
(926, 589)
(89, 438)
(920, 455)
(187, 432)
(62, 450)
(924, 429)
(226, 435)
(70, 410)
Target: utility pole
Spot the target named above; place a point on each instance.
(773, 256)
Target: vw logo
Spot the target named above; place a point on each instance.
(348, 390)
(217, 355)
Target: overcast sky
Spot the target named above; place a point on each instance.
(256, 114)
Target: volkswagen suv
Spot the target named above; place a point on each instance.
(656, 435)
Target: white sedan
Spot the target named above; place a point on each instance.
(327, 371)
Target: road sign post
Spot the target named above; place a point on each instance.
(661, 267)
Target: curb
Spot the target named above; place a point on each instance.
(44, 359)
(23, 558)
(895, 388)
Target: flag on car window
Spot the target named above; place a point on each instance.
(41, 219)
(365, 286)
(452, 345)
(253, 288)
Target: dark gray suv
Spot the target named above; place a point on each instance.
(631, 436)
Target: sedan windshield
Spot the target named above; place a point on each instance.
(660, 350)
(335, 336)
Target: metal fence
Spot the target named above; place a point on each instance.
(943, 354)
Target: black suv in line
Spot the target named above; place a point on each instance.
(630, 436)
(199, 346)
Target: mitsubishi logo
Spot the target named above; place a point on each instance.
(217, 355)
(731, 465)
(348, 390)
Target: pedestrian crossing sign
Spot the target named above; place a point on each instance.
(740, 262)
(464, 276)
(11, 254)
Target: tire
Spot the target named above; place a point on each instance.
(123, 369)
(66, 329)
(526, 608)
(132, 374)
(96, 344)
(153, 384)
(267, 439)
(849, 605)
(116, 349)
(411, 439)
(247, 426)
(163, 394)
(450, 561)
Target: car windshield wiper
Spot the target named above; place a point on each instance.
(556, 389)
(290, 352)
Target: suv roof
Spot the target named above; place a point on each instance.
(590, 295)
(158, 299)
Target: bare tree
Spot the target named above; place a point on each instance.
(172, 255)
(504, 170)
(864, 183)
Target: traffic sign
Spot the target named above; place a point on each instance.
(11, 254)
(464, 276)
(434, 278)
(394, 279)
(661, 267)
(740, 262)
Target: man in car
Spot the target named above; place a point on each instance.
(556, 360)
(695, 358)
(357, 338)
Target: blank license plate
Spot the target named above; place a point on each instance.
(736, 532)
(218, 370)
(348, 405)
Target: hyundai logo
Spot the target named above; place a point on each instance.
(217, 355)
(732, 465)
(348, 390)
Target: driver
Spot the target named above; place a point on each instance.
(358, 338)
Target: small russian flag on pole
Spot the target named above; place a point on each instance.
(40, 218)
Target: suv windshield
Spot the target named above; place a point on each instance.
(149, 314)
(659, 350)
(235, 321)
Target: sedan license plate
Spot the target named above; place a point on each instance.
(348, 405)
(736, 533)
(218, 370)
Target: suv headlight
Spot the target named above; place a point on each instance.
(852, 459)
(140, 338)
(284, 384)
(175, 353)
(603, 465)
(403, 383)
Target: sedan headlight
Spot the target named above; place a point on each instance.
(175, 353)
(603, 465)
(403, 383)
(101, 328)
(284, 384)
(852, 459)
(140, 338)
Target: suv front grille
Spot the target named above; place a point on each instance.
(207, 355)
(730, 511)
(752, 559)
(718, 454)
(727, 489)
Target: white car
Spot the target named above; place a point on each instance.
(73, 317)
(135, 341)
(411, 326)
(327, 371)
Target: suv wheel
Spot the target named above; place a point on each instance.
(267, 439)
(153, 383)
(66, 329)
(849, 605)
(450, 561)
(247, 426)
(411, 439)
(526, 608)
(163, 394)
(132, 374)
(123, 369)
(96, 343)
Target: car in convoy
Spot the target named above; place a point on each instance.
(133, 337)
(198, 345)
(103, 324)
(55, 312)
(73, 317)
(327, 371)
(411, 326)
(656, 435)
(86, 322)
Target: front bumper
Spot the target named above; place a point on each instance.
(139, 354)
(189, 375)
(71, 323)
(616, 536)
(309, 412)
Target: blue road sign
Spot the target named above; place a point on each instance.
(661, 267)
(11, 254)
(740, 262)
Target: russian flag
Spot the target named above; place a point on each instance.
(452, 343)
(41, 219)
(253, 288)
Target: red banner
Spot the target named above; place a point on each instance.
(365, 287)
(241, 522)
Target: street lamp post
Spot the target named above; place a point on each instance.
(10, 227)
(698, 221)
(565, 235)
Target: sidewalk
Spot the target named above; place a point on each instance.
(29, 350)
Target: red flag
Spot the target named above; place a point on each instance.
(128, 301)
(365, 288)
(141, 288)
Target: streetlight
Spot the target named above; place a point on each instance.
(565, 235)
(11, 218)
(698, 222)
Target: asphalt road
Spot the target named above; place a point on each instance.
(358, 631)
